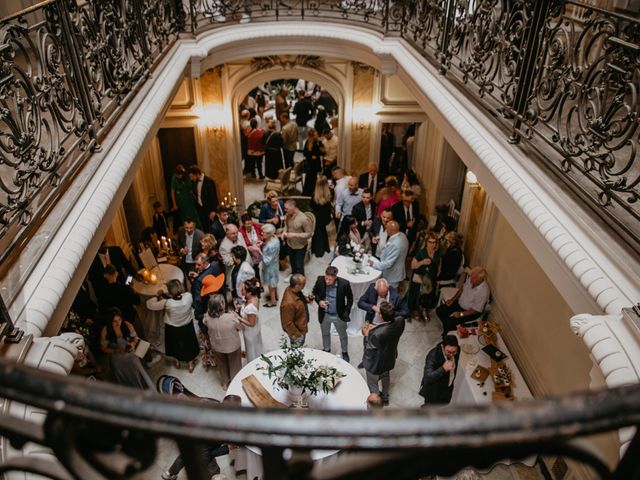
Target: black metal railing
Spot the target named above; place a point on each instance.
(101, 431)
(68, 69)
(562, 77)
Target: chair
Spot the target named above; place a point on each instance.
(296, 178)
(280, 184)
(312, 218)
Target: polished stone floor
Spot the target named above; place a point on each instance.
(417, 340)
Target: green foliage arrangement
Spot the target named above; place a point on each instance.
(292, 370)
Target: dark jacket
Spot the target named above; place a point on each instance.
(370, 298)
(118, 260)
(374, 231)
(363, 182)
(303, 109)
(121, 296)
(195, 247)
(435, 381)
(360, 214)
(200, 303)
(400, 216)
(208, 195)
(344, 297)
(217, 230)
(381, 348)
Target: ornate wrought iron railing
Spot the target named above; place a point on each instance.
(562, 77)
(67, 70)
(102, 431)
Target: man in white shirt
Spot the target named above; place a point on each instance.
(340, 180)
(231, 239)
(347, 199)
(468, 302)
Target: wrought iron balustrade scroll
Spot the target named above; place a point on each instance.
(67, 70)
(103, 431)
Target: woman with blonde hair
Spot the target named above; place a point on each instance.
(208, 245)
(321, 208)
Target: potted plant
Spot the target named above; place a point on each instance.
(298, 375)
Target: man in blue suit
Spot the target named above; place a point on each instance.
(370, 302)
(394, 256)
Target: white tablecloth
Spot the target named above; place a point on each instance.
(359, 284)
(350, 394)
(467, 391)
(153, 322)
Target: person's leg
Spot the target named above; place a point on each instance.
(235, 363)
(325, 328)
(372, 383)
(385, 380)
(300, 259)
(223, 368)
(258, 161)
(176, 466)
(341, 327)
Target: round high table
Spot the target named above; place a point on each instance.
(359, 283)
(153, 322)
(350, 394)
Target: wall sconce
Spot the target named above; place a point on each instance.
(211, 117)
(471, 178)
(363, 117)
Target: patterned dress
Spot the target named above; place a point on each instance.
(270, 255)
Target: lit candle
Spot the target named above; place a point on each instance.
(145, 274)
(153, 279)
(170, 248)
(158, 244)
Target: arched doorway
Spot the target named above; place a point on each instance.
(276, 118)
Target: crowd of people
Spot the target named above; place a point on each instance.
(232, 263)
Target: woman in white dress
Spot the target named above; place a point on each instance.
(249, 319)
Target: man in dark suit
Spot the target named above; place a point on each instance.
(220, 220)
(406, 214)
(335, 299)
(371, 180)
(440, 370)
(371, 299)
(116, 294)
(364, 211)
(105, 256)
(189, 243)
(206, 196)
(378, 232)
(202, 268)
(381, 350)
(377, 293)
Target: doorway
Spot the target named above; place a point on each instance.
(177, 146)
(270, 153)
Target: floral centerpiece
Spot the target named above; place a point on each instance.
(300, 376)
(358, 254)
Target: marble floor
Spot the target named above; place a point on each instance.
(417, 340)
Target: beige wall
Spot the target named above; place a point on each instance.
(535, 323)
(361, 139)
(216, 142)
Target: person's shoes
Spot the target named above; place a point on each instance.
(361, 365)
(326, 350)
(385, 403)
(345, 357)
(246, 18)
(169, 476)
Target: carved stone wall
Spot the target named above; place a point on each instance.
(215, 161)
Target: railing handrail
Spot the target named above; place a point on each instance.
(539, 420)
